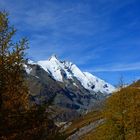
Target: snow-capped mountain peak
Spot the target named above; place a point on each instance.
(63, 70)
(53, 57)
(53, 66)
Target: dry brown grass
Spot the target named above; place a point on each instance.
(83, 121)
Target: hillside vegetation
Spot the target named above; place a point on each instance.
(19, 119)
(122, 116)
(83, 121)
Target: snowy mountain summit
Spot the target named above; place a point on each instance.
(64, 71)
(68, 91)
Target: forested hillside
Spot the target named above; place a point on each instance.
(121, 115)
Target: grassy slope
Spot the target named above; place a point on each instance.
(83, 121)
(90, 136)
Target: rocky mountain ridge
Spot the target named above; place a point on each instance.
(69, 91)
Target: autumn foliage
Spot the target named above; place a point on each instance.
(121, 116)
(19, 120)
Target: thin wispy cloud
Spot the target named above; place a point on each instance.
(98, 35)
(117, 68)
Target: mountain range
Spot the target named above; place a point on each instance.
(67, 90)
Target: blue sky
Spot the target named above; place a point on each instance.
(100, 36)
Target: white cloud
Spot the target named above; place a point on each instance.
(117, 67)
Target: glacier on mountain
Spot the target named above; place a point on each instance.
(63, 69)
